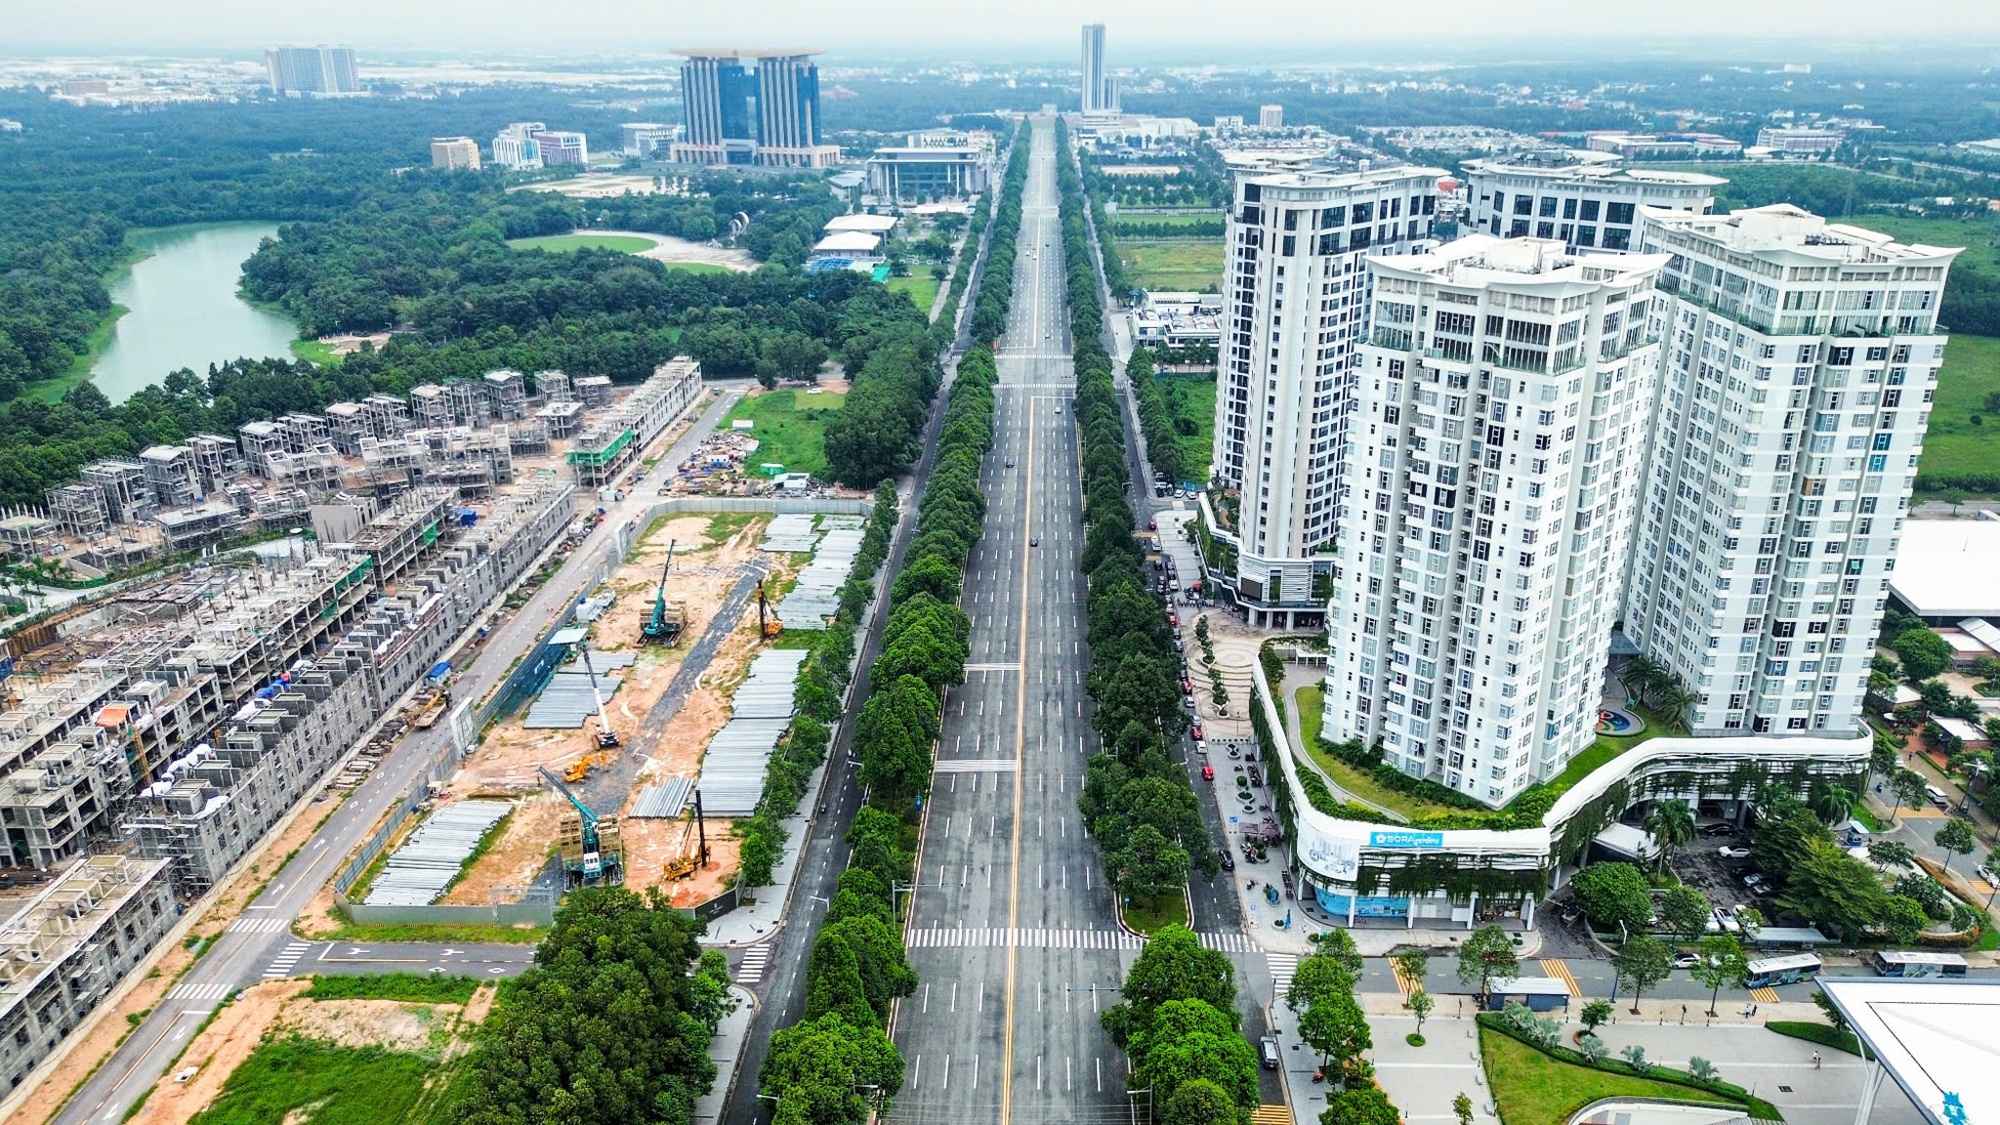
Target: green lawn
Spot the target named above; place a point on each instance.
(1964, 437)
(697, 267)
(1530, 1088)
(564, 243)
(315, 1083)
(1149, 915)
(447, 934)
(1125, 219)
(790, 428)
(416, 988)
(921, 287)
(1192, 400)
(1172, 264)
(1980, 237)
(1309, 700)
(319, 354)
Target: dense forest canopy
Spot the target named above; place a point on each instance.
(373, 238)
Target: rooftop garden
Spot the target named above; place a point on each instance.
(1361, 771)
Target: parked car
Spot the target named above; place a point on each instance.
(1152, 524)
(1196, 732)
(1179, 646)
(1173, 619)
(1717, 829)
(1187, 687)
(1208, 773)
(1987, 874)
(1686, 961)
(1267, 1049)
(1729, 852)
(1201, 748)
(1228, 861)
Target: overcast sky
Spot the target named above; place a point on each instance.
(1023, 28)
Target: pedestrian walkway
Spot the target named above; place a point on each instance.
(1283, 965)
(725, 1050)
(259, 924)
(1554, 967)
(755, 960)
(283, 964)
(215, 991)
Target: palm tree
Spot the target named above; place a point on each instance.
(1832, 803)
(1642, 676)
(1673, 700)
(1671, 824)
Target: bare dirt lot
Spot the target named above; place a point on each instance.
(649, 844)
(217, 1051)
(275, 1009)
(710, 554)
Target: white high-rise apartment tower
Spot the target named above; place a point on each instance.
(1295, 299)
(1800, 359)
(1586, 199)
(1100, 90)
(1494, 459)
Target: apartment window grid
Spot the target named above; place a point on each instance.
(1775, 504)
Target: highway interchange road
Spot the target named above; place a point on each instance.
(259, 940)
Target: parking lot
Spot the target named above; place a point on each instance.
(1702, 865)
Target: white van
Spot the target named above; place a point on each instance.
(1937, 797)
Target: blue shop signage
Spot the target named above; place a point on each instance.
(1406, 840)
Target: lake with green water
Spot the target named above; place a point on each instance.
(183, 309)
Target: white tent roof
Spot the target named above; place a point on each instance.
(853, 242)
(1944, 568)
(871, 224)
(1934, 1037)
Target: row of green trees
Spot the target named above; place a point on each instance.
(928, 637)
(1332, 1023)
(1156, 417)
(837, 1066)
(1177, 1021)
(996, 284)
(1097, 188)
(612, 1023)
(816, 701)
(1137, 803)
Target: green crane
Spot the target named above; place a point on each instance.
(587, 854)
(665, 626)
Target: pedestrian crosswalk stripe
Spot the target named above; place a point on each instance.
(1404, 984)
(198, 992)
(1765, 995)
(1271, 1115)
(1553, 967)
(1038, 938)
(1227, 943)
(754, 960)
(1283, 965)
(283, 963)
(261, 924)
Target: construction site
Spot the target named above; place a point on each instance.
(671, 686)
(151, 736)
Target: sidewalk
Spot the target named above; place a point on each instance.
(724, 1050)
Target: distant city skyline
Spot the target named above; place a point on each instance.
(1044, 25)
